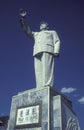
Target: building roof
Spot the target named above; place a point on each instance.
(4, 121)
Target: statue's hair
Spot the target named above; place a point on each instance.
(43, 22)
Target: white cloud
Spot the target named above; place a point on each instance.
(68, 90)
(81, 100)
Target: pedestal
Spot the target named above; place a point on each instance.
(42, 109)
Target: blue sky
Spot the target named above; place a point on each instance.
(16, 60)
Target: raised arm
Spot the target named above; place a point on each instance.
(24, 25)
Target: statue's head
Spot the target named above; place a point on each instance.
(44, 26)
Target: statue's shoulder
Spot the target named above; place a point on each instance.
(34, 33)
(51, 31)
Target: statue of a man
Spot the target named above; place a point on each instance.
(46, 47)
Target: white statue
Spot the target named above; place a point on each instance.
(46, 47)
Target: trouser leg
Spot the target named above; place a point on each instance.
(47, 69)
(38, 70)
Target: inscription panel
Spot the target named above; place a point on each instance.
(28, 116)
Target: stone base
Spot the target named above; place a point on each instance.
(42, 109)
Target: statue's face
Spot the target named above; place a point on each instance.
(43, 26)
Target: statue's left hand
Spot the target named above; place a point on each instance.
(56, 54)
